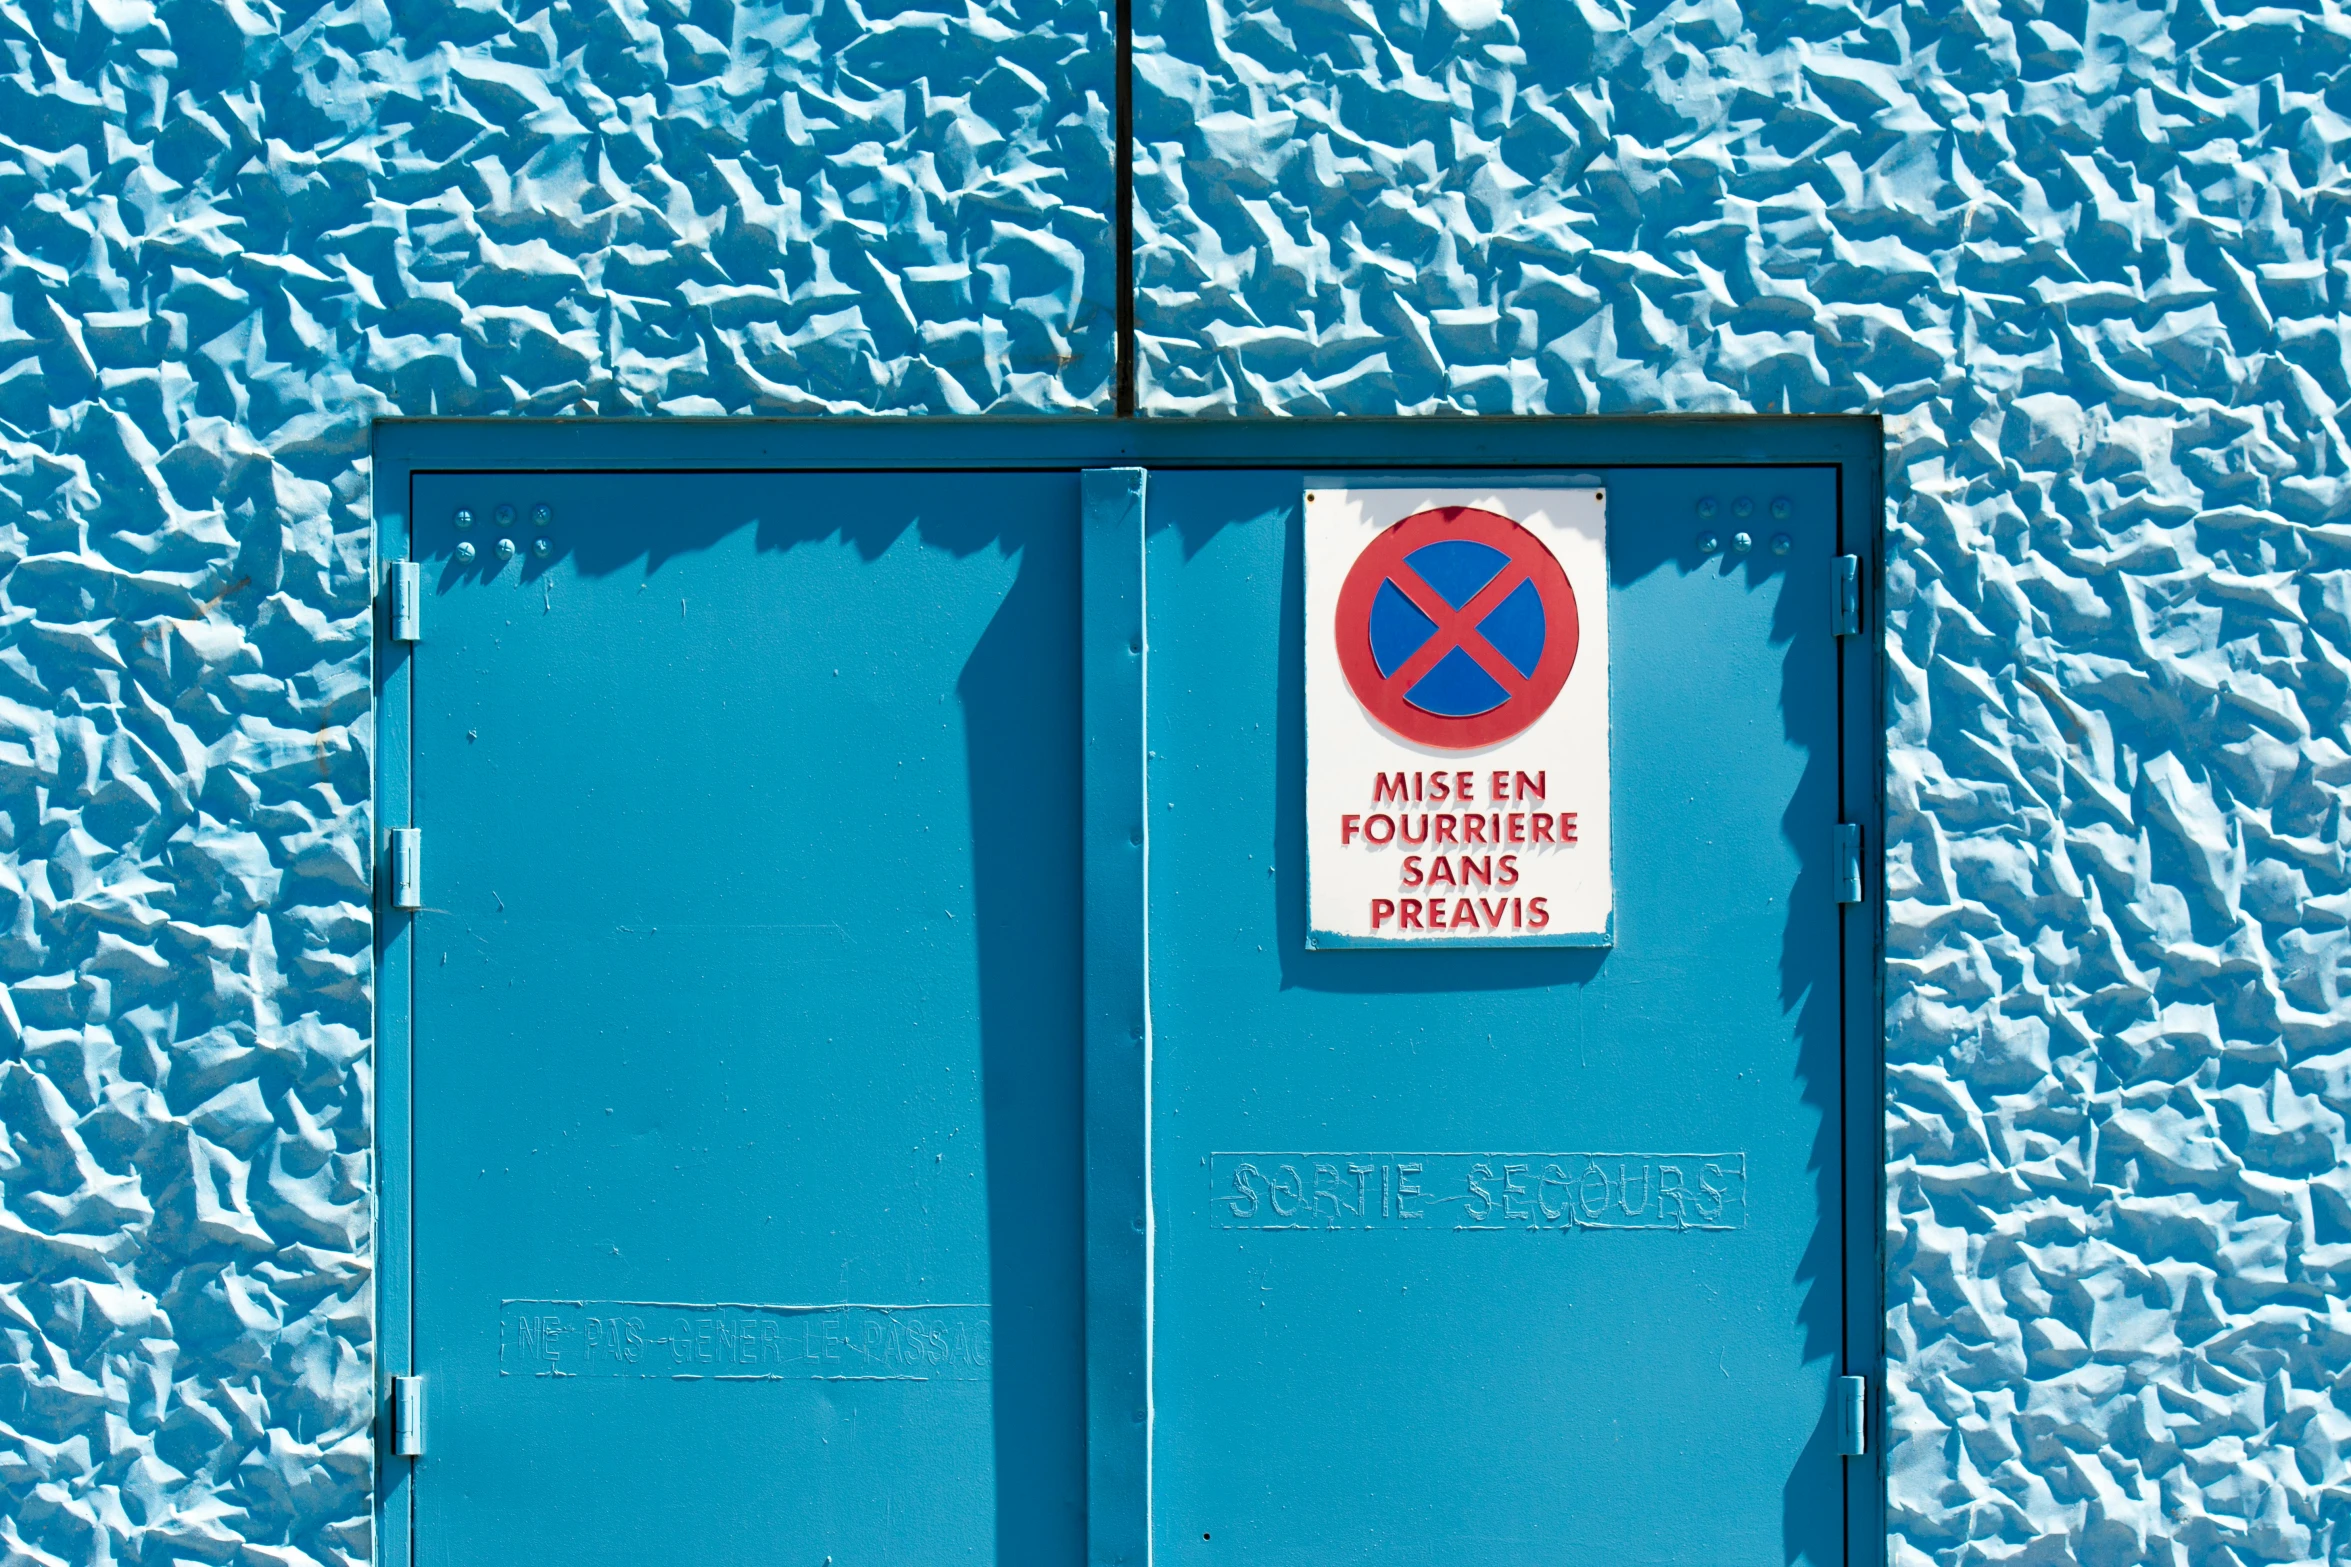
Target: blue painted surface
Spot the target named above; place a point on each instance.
(1355, 1381)
(1112, 592)
(2083, 258)
(230, 236)
(2086, 261)
(747, 1171)
(1117, 854)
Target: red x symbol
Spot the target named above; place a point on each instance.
(1457, 628)
(1527, 696)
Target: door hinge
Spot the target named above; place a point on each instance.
(1848, 862)
(408, 1417)
(407, 868)
(404, 579)
(1847, 613)
(1852, 1416)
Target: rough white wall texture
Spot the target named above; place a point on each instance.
(2092, 261)
(231, 232)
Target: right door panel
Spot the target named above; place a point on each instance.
(1576, 1379)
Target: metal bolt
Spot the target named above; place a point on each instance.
(542, 515)
(506, 549)
(1706, 506)
(1781, 544)
(1781, 506)
(465, 552)
(1744, 506)
(463, 519)
(1741, 543)
(542, 548)
(1708, 544)
(505, 515)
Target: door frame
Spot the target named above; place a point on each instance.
(1116, 980)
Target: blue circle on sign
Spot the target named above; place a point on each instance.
(1458, 686)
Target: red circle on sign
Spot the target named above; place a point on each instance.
(1386, 693)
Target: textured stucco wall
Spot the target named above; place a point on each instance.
(2090, 259)
(230, 233)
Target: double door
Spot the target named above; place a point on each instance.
(863, 939)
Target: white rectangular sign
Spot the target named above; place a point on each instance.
(1457, 716)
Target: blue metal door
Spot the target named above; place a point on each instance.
(1504, 1256)
(746, 1175)
(860, 1086)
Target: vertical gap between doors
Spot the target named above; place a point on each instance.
(1123, 123)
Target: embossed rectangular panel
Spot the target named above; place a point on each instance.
(747, 1175)
(1445, 1349)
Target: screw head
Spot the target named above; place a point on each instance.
(506, 549)
(1741, 543)
(1706, 506)
(542, 547)
(542, 515)
(505, 515)
(465, 552)
(1781, 506)
(1781, 544)
(1708, 544)
(463, 519)
(1744, 506)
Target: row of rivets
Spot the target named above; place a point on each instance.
(1781, 507)
(1741, 543)
(542, 516)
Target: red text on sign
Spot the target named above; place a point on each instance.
(1460, 913)
(1461, 828)
(1470, 870)
(1436, 788)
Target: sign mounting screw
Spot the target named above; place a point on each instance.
(465, 552)
(1781, 544)
(542, 547)
(1706, 506)
(464, 518)
(542, 515)
(506, 549)
(1741, 543)
(1781, 506)
(1708, 544)
(505, 515)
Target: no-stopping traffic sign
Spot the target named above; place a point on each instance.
(1456, 628)
(1457, 731)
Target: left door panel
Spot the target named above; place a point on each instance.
(746, 1172)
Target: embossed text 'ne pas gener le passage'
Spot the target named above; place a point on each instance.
(724, 1342)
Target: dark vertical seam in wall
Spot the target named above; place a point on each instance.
(1123, 121)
